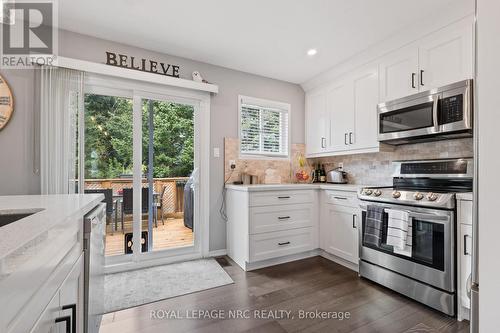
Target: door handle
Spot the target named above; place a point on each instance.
(345, 139)
(350, 138)
(466, 253)
(435, 117)
(284, 243)
(67, 320)
(73, 315)
(421, 77)
(354, 221)
(413, 80)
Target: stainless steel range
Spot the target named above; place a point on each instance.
(425, 192)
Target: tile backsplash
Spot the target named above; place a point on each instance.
(376, 168)
(284, 169)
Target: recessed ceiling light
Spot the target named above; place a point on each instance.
(311, 52)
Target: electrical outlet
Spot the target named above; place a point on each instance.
(341, 165)
(216, 152)
(232, 164)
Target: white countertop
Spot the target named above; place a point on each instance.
(280, 187)
(56, 209)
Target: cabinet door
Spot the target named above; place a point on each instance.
(340, 107)
(398, 74)
(341, 236)
(465, 257)
(71, 296)
(446, 57)
(366, 98)
(316, 122)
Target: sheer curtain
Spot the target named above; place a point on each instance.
(61, 100)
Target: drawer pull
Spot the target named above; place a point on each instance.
(284, 197)
(283, 217)
(340, 198)
(284, 243)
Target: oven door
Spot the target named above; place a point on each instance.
(403, 119)
(432, 259)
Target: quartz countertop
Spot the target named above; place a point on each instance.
(50, 210)
(280, 187)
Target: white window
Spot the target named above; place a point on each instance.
(264, 127)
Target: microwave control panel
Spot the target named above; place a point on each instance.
(451, 109)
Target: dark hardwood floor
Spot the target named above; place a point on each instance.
(307, 285)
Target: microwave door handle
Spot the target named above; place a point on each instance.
(435, 117)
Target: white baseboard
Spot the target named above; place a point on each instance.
(339, 261)
(217, 253)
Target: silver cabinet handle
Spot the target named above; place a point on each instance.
(284, 243)
(345, 139)
(283, 217)
(323, 142)
(421, 77)
(466, 253)
(354, 221)
(350, 138)
(413, 80)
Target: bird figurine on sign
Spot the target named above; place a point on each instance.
(198, 78)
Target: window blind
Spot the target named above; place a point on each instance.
(263, 130)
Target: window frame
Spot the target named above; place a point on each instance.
(265, 103)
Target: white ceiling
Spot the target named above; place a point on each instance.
(264, 37)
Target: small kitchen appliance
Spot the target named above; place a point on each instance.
(425, 190)
(336, 176)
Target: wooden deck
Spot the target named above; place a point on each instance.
(172, 234)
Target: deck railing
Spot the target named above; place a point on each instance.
(173, 198)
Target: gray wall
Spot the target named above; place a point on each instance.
(15, 139)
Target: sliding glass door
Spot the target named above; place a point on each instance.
(140, 151)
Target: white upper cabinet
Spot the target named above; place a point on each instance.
(317, 121)
(340, 107)
(446, 57)
(366, 98)
(398, 74)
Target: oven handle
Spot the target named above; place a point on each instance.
(430, 217)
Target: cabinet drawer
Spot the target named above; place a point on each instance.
(280, 217)
(281, 197)
(280, 243)
(348, 199)
(465, 212)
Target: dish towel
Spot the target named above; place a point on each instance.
(374, 225)
(397, 228)
(408, 246)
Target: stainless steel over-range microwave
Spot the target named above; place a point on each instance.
(437, 114)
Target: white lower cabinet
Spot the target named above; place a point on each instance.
(64, 313)
(338, 226)
(464, 257)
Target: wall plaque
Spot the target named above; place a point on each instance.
(6, 103)
(143, 65)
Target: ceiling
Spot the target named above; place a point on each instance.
(268, 38)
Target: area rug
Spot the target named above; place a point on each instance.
(132, 288)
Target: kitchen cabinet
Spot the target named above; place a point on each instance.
(398, 74)
(339, 225)
(317, 121)
(347, 122)
(267, 225)
(464, 256)
(446, 57)
(441, 58)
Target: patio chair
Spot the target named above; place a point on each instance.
(108, 199)
(159, 203)
(128, 203)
